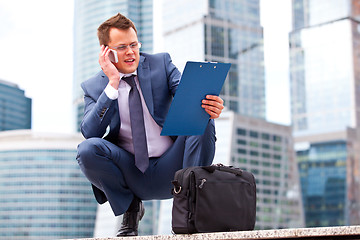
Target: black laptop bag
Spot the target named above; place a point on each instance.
(215, 198)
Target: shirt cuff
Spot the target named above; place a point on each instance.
(111, 92)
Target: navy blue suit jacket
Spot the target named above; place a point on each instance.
(158, 78)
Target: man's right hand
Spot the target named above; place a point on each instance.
(108, 67)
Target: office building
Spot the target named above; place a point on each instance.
(221, 31)
(325, 97)
(15, 107)
(43, 193)
(324, 58)
(328, 166)
(266, 150)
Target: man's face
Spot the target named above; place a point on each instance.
(128, 58)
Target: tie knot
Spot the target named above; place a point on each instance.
(130, 80)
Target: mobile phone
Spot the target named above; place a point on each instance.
(113, 56)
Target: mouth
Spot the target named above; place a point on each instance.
(130, 60)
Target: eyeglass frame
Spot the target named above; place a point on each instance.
(133, 46)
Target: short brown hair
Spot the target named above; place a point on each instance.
(118, 21)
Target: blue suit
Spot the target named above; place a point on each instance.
(111, 169)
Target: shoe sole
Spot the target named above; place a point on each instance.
(142, 211)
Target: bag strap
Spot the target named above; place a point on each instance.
(220, 167)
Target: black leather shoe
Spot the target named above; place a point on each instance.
(131, 219)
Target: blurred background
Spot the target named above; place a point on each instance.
(291, 99)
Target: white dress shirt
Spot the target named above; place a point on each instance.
(157, 144)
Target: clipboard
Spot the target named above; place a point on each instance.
(186, 116)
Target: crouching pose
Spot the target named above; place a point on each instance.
(124, 157)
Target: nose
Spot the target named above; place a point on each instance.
(129, 50)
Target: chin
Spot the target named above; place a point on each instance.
(126, 70)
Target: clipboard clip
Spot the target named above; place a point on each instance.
(211, 62)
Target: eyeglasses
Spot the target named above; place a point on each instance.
(123, 48)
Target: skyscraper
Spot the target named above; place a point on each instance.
(325, 98)
(15, 107)
(221, 31)
(43, 193)
(324, 53)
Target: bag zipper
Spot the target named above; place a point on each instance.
(202, 183)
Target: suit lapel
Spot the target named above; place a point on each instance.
(145, 83)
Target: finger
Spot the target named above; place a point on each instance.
(215, 98)
(213, 115)
(102, 53)
(101, 50)
(214, 112)
(212, 108)
(213, 103)
(106, 51)
(104, 56)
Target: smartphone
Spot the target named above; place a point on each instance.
(113, 56)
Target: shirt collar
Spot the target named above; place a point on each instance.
(128, 74)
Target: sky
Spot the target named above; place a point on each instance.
(36, 53)
(36, 39)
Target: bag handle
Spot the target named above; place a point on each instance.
(220, 167)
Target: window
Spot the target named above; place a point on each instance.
(265, 136)
(242, 151)
(276, 138)
(217, 41)
(266, 146)
(254, 134)
(254, 153)
(277, 148)
(254, 162)
(241, 131)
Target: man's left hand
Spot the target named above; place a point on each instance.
(213, 105)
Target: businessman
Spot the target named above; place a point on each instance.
(124, 156)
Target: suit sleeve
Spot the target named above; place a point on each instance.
(173, 74)
(97, 114)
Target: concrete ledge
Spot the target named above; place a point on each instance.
(328, 233)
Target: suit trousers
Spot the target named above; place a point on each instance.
(112, 169)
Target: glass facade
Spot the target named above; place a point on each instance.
(221, 31)
(322, 170)
(318, 68)
(43, 194)
(325, 98)
(15, 108)
(233, 34)
(324, 50)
